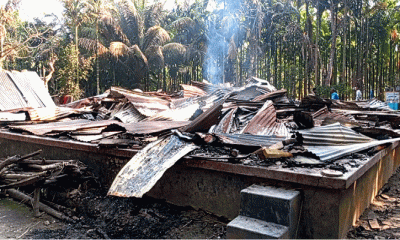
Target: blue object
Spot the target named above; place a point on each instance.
(371, 94)
(335, 96)
(394, 106)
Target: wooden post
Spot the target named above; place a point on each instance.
(36, 197)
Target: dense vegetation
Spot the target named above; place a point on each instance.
(295, 44)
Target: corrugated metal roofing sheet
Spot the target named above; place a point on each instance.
(330, 153)
(143, 171)
(149, 127)
(21, 90)
(333, 134)
(126, 113)
(65, 126)
(265, 123)
(146, 105)
(248, 140)
(325, 117)
(10, 96)
(53, 113)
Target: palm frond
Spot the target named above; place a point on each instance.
(138, 62)
(183, 23)
(155, 36)
(119, 49)
(155, 58)
(131, 21)
(154, 15)
(112, 30)
(174, 54)
(87, 32)
(91, 46)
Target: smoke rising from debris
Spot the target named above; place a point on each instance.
(222, 26)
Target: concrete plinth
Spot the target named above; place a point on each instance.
(329, 205)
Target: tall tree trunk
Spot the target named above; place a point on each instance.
(328, 79)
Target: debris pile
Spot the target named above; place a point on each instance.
(24, 172)
(255, 124)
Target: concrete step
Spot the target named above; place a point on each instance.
(250, 228)
(271, 204)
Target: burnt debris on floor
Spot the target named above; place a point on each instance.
(255, 125)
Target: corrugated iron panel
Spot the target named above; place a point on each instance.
(206, 119)
(330, 153)
(325, 117)
(270, 95)
(261, 82)
(38, 88)
(22, 90)
(248, 93)
(10, 96)
(146, 105)
(375, 104)
(334, 134)
(148, 127)
(225, 125)
(65, 126)
(53, 113)
(192, 91)
(265, 123)
(248, 140)
(126, 113)
(143, 171)
(178, 114)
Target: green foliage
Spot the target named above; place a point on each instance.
(68, 77)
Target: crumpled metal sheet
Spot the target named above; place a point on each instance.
(325, 117)
(64, 126)
(143, 171)
(126, 113)
(270, 95)
(375, 104)
(145, 104)
(225, 125)
(149, 127)
(192, 91)
(53, 113)
(248, 140)
(333, 134)
(265, 123)
(331, 153)
(260, 82)
(206, 119)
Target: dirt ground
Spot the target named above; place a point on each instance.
(103, 217)
(98, 216)
(382, 219)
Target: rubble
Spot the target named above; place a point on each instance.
(222, 123)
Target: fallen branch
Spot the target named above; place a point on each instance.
(27, 199)
(47, 167)
(15, 159)
(25, 182)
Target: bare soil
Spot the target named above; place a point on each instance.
(98, 216)
(382, 219)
